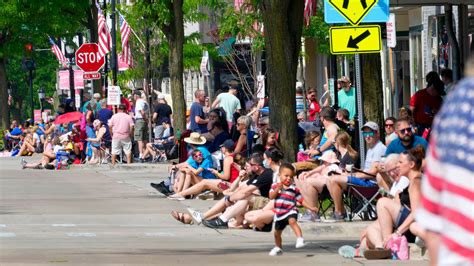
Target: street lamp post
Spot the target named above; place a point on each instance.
(70, 53)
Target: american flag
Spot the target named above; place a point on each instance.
(104, 35)
(309, 11)
(126, 55)
(57, 52)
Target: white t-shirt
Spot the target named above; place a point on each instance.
(140, 105)
(36, 139)
(374, 154)
(399, 186)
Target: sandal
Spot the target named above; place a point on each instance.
(182, 217)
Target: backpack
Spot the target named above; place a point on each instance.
(399, 247)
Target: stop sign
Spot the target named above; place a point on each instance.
(87, 57)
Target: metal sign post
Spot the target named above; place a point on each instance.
(360, 110)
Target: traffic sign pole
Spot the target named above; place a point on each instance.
(360, 109)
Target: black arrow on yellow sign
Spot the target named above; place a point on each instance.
(353, 42)
(345, 4)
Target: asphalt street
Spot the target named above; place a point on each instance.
(97, 215)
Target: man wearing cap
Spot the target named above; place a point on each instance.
(96, 98)
(197, 116)
(365, 178)
(162, 111)
(346, 96)
(141, 121)
(229, 102)
(406, 138)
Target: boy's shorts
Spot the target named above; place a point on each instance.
(362, 182)
(281, 224)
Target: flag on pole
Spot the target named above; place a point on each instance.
(104, 35)
(309, 11)
(125, 58)
(57, 52)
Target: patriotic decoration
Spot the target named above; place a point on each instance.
(104, 35)
(125, 58)
(309, 11)
(57, 52)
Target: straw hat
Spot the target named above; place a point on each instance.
(195, 138)
(329, 157)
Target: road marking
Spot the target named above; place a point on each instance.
(155, 234)
(7, 235)
(63, 225)
(81, 234)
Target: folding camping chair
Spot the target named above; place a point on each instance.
(362, 202)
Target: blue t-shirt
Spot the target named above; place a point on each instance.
(396, 146)
(104, 115)
(196, 110)
(205, 164)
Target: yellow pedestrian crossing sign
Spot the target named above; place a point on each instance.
(355, 39)
(353, 10)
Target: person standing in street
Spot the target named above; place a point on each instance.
(141, 122)
(162, 111)
(197, 116)
(121, 126)
(229, 102)
(104, 113)
(346, 96)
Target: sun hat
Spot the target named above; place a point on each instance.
(64, 138)
(195, 138)
(96, 95)
(329, 157)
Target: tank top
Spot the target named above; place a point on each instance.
(405, 198)
(106, 137)
(234, 172)
(324, 138)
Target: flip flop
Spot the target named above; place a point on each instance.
(182, 217)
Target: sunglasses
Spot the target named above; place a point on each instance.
(389, 125)
(199, 155)
(406, 130)
(368, 134)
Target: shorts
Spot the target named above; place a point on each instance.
(158, 146)
(141, 130)
(119, 144)
(259, 202)
(361, 182)
(281, 224)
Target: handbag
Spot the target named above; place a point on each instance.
(399, 247)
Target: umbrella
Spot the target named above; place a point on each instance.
(68, 117)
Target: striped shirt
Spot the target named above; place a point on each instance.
(285, 202)
(447, 202)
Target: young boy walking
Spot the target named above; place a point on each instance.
(286, 197)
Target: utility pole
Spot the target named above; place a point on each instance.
(113, 59)
(147, 86)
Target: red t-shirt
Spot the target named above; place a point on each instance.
(314, 108)
(425, 106)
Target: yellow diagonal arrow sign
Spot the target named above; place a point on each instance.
(355, 39)
(353, 10)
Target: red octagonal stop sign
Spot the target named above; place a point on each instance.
(87, 57)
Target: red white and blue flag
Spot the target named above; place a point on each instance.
(57, 52)
(104, 35)
(309, 11)
(125, 58)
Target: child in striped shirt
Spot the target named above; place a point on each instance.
(286, 197)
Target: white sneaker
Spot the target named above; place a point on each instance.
(197, 216)
(276, 251)
(300, 242)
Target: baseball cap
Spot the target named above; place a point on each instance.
(165, 120)
(228, 144)
(161, 96)
(96, 95)
(371, 125)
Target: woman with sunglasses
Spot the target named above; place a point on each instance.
(390, 133)
(395, 216)
(194, 172)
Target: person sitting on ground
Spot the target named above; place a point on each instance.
(243, 126)
(337, 184)
(63, 150)
(262, 219)
(219, 135)
(253, 192)
(395, 216)
(406, 138)
(196, 166)
(224, 179)
(286, 195)
(311, 140)
(48, 155)
(28, 144)
(270, 139)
